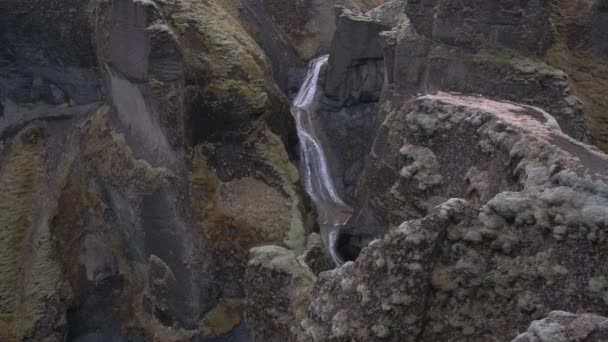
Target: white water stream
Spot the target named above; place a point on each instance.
(333, 212)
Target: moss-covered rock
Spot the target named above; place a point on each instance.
(249, 211)
(31, 282)
(228, 77)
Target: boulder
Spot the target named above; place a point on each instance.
(567, 327)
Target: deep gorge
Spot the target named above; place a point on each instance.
(303, 170)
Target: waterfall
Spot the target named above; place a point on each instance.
(333, 212)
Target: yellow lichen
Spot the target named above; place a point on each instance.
(443, 279)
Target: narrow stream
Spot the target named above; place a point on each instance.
(333, 212)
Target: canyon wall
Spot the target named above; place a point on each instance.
(138, 138)
(481, 213)
(148, 188)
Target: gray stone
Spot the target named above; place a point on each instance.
(356, 66)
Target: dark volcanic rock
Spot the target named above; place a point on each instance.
(50, 74)
(288, 68)
(523, 26)
(600, 27)
(355, 73)
(350, 134)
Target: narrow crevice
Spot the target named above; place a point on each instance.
(435, 254)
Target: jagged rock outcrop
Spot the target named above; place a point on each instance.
(434, 66)
(513, 214)
(567, 327)
(352, 86)
(288, 68)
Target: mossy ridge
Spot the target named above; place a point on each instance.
(105, 158)
(230, 72)
(588, 74)
(216, 40)
(31, 274)
(273, 152)
(511, 59)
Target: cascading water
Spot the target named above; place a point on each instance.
(333, 212)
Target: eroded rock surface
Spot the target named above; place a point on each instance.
(513, 214)
(146, 155)
(522, 26)
(564, 326)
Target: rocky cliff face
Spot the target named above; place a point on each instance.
(148, 190)
(135, 133)
(477, 216)
(516, 219)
